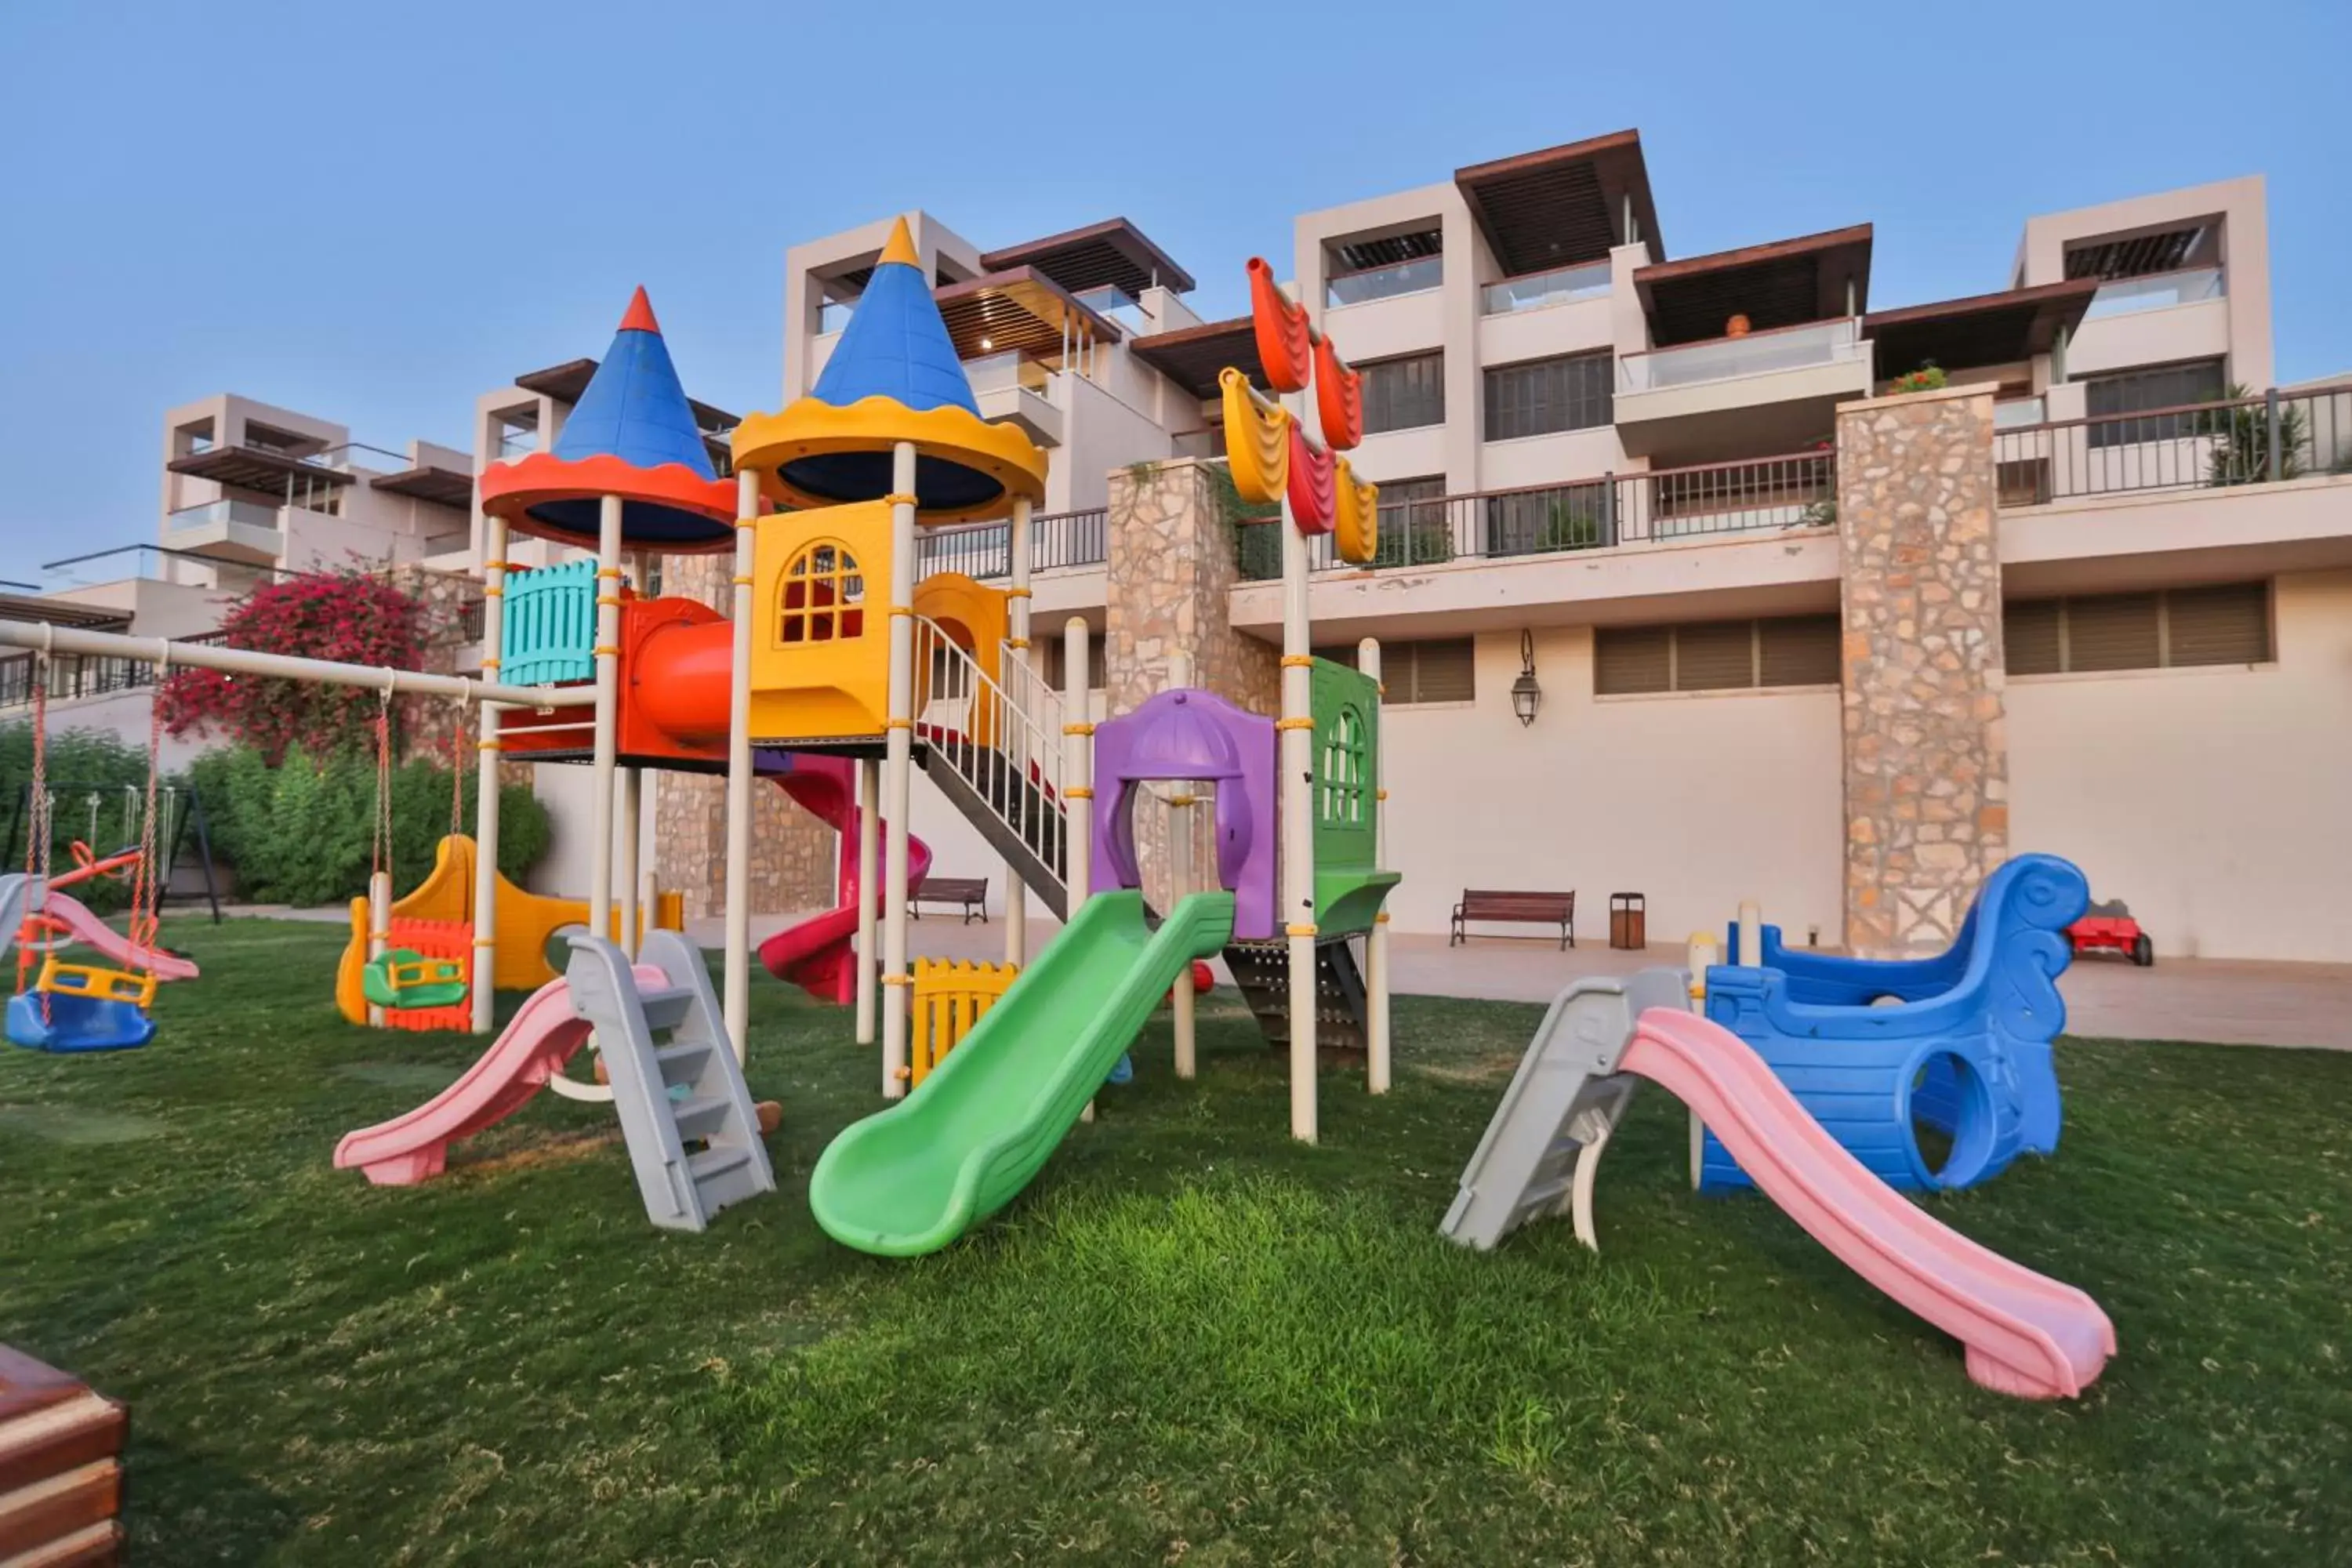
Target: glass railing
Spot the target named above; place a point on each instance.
(1758, 354)
(2013, 413)
(1114, 303)
(1561, 286)
(512, 447)
(2128, 295)
(212, 514)
(1423, 272)
(832, 315)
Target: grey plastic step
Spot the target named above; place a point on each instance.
(1541, 1152)
(681, 1189)
(1261, 970)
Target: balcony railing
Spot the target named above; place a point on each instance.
(999, 372)
(1114, 303)
(1413, 277)
(2199, 446)
(2156, 291)
(1561, 286)
(1762, 495)
(212, 514)
(1057, 540)
(1758, 354)
(832, 315)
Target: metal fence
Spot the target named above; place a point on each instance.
(77, 676)
(1056, 540)
(2199, 446)
(1761, 495)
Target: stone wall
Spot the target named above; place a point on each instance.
(1172, 569)
(792, 852)
(1926, 756)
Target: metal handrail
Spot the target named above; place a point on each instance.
(1005, 754)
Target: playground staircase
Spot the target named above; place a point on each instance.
(1542, 1150)
(1262, 970)
(997, 758)
(686, 1114)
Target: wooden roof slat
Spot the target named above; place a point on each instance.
(1113, 251)
(565, 383)
(1563, 204)
(1191, 356)
(1783, 283)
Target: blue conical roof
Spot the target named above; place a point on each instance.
(896, 346)
(634, 408)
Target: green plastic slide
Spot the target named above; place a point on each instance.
(910, 1179)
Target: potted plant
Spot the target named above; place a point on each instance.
(1927, 378)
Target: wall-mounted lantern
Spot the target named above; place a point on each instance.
(1526, 694)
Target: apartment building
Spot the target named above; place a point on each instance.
(1620, 606)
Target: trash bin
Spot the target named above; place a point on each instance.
(1629, 921)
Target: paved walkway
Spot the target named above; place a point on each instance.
(2221, 1001)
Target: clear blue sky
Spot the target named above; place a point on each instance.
(373, 212)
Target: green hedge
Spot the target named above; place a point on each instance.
(299, 833)
(92, 759)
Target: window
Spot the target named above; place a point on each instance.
(1442, 669)
(1404, 394)
(1716, 655)
(2168, 387)
(2228, 623)
(821, 590)
(1057, 666)
(1339, 792)
(1545, 396)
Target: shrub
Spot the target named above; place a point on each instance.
(2242, 440)
(1927, 378)
(92, 761)
(349, 617)
(299, 833)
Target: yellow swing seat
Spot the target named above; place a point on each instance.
(57, 978)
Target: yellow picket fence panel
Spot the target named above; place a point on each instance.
(950, 999)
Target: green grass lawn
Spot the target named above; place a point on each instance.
(1194, 1342)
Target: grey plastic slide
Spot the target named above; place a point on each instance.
(710, 1106)
(1542, 1150)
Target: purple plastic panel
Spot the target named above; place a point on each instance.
(1201, 738)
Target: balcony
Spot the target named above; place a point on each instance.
(239, 530)
(2281, 436)
(2156, 291)
(1781, 385)
(1013, 389)
(1541, 290)
(1765, 495)
(1416, 275)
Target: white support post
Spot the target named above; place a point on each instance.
(608, 713)
(1180, 807)
(1016, 647)
(1703, 957)
(1297, 806)
(631, 826)
(869, 904)
(898, 770)
(1376, 946)
(737, 1003)
(379, 928)
(1752, 934)
(1077, 777)
(484, 997)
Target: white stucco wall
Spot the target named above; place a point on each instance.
(1696, 801)
(2212, 801)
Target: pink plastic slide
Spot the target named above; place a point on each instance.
(815, 955)
(2026, 1335)
(86, 928)
(538, 1041)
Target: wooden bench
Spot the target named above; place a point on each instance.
(972, 892)
(1524, 909)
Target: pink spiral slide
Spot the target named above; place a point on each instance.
(540, 1037)
(2026, 1335)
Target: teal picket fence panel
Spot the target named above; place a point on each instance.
(549, 635)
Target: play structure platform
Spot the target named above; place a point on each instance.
(2025, 1335)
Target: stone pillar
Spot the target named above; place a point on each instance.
(1170, 569)
(792, 852)
(1927, 752)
